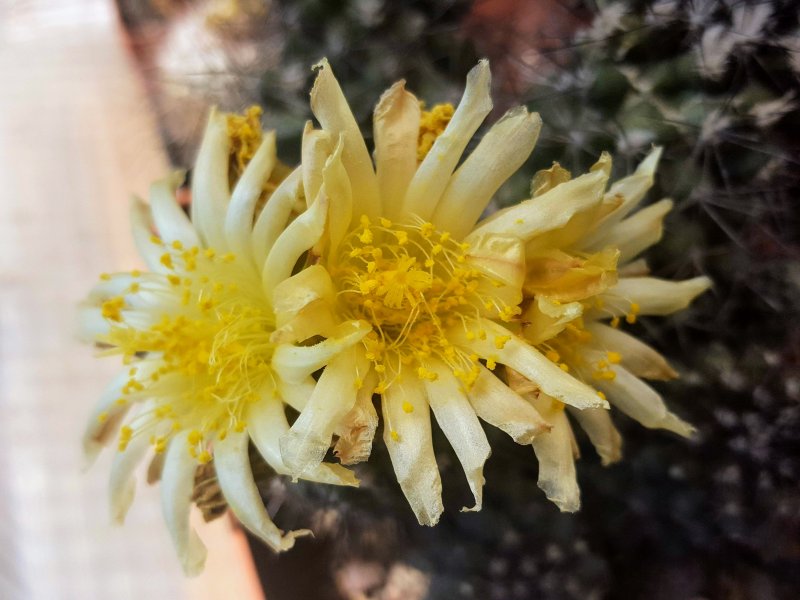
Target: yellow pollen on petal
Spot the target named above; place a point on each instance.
(394, 435)
(408, 407)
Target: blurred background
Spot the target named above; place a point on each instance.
(100, 97)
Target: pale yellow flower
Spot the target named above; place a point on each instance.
(195, 335)
(582, 282)
(413, 302)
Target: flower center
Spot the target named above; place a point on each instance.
(412, 283)
(202, 354)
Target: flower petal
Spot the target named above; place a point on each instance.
(396, 129)
(239, 218)
(303, 447)
(544, 319)
(503, 150)
(340, 197)
(107, 414)
(550, 211)
(316, 148)
(292, 295)
(170, 220)
(266, 424)
(605, 438)
(637, 357)
(636, 233)
(295, 363)
(499, 405)
(408, 438)
(522, 357)
(299, 236)
(357, 429)
(634, 187)
(142, 228)
(122, 482)
(275, 215)
(210, 188)
(235, 476)
(554, 451)
(296, 393)
(642, 403)
(177, 486)
(654, 296)
(460, 425)
(331, 109)
(502, 258)
(434, 172)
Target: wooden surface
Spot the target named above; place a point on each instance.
(76, 138)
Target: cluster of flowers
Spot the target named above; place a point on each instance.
(353, 277)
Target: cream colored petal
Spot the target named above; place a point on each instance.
(605, 438)
(544, 319)
(177, 486)
(636, 233)
(503, 150)
(433, 174)
(296, 394)
(266, 423)
(317, 147)
(106, 416)
(210, 188)
(232, 465)
(357, 430)
(408, 438)
(582, 223)
(521, 356)
(275, 215)
(170, 220)
(295, 363)
(642, 403)
(303, 447)
(122, 480)
(634, 187)
(396, 129)
(292, 295)
(460, 425)
(637, 268)
(499, 405)
(142, 229)
(501, 257)
(654, 296)
(315, 319)
(91, 325)
(550, 211)
(340, 197)
(554, 451)
(332, 111)
(637, 357)
(239, 218)
(299, 236)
